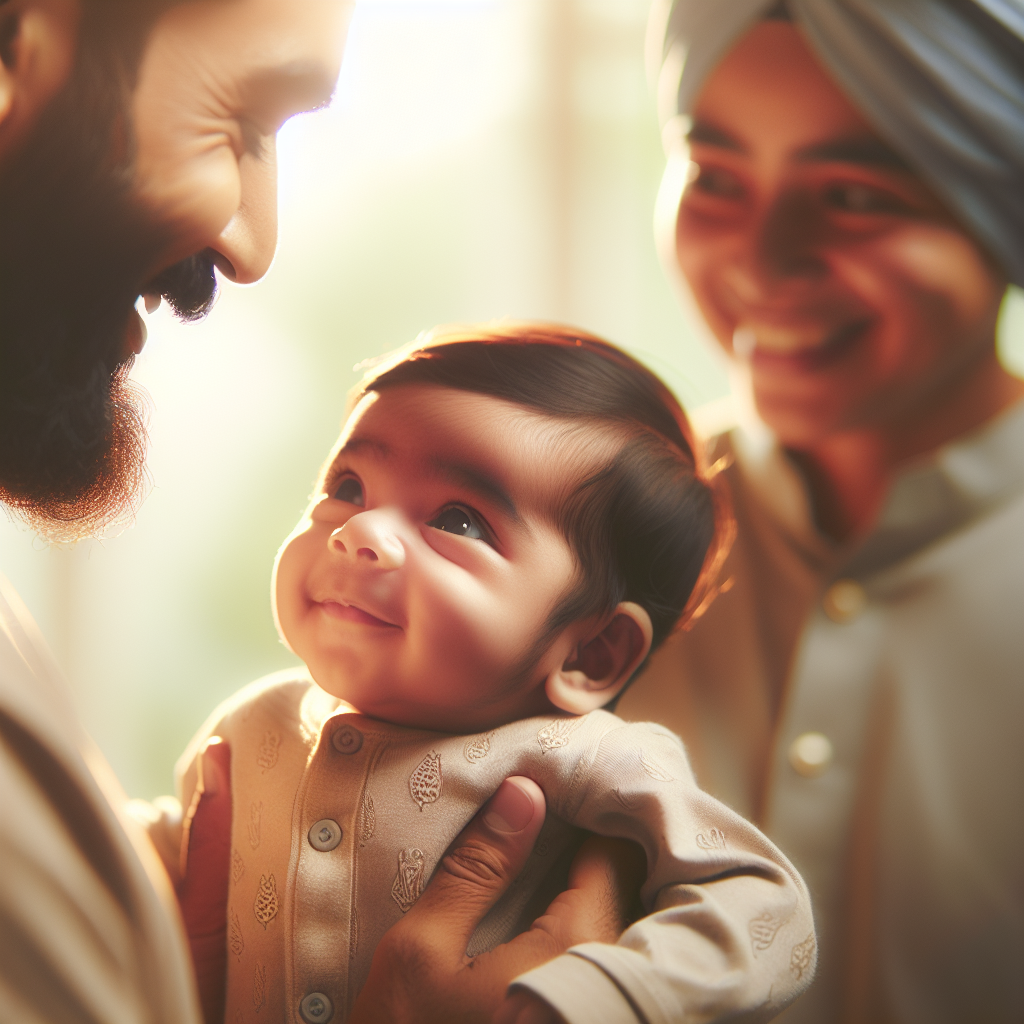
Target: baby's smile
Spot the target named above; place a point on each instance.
(429, 561)
(345, 612)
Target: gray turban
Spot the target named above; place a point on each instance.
(941, 80)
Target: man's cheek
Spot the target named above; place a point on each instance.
(941, 270)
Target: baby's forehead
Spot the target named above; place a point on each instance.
(530, 449)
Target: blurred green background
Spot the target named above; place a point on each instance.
(482, 158)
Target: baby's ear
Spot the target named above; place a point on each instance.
(600, 667)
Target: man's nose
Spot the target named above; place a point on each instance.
(370, 538)
(245, 248)
(780, 251)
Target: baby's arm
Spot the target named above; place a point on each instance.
(729, 929)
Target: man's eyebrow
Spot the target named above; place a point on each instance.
(857, 149)
(480, 482)
(707, 133)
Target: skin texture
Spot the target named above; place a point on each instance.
(863, 312)
(397, 615)
(217, 81)
(37, 64)
(109, 196)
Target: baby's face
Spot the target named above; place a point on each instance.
(423, 573)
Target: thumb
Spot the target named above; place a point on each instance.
(203, 892)
(485, 859)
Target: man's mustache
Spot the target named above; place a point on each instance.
(189, 287)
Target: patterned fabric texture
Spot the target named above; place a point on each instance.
(340, 820)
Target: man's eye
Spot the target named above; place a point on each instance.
(458, 521)
(714, 181)
(857, 198)
(350, 490)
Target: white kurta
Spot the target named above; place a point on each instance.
(906, 652)
(339, 821)
(89, 930)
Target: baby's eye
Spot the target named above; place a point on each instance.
(350, 490)
(458, 521)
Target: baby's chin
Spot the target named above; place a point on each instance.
(398, 709)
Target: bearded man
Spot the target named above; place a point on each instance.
(136, 156)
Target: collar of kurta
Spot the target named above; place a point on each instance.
(930, 498)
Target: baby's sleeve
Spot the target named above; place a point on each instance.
(729, 931)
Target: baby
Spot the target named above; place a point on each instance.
(512, 519)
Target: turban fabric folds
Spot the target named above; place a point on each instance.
(942, 81)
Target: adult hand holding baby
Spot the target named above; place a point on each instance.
(420, 969)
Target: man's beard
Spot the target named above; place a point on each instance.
(74, 248)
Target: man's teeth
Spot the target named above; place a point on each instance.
(152, 301)
(781, 341)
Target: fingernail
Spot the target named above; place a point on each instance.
(510, 809)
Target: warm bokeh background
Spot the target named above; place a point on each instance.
(483, 158)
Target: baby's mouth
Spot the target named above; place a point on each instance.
(350, 613)
(808, 348)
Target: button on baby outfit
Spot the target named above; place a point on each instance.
(316, 1008)
(347, 740)
(325, 835)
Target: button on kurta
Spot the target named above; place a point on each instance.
(810, 754)
(347, 740)
(844, 601)
(316, 1008)
(325, 835)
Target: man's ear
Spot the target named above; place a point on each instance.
(38, 40)
(600, 666)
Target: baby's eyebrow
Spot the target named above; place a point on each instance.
(479, 481)
(365, 445)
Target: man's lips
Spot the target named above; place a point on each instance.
(350, 613)
(135, 332)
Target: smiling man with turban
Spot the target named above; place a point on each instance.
(844, 197)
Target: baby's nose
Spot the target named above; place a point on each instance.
(370, 537)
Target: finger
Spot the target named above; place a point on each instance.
(203, 892)
(485, 859)
(612, 870)
(603, 894)
(523, 1007)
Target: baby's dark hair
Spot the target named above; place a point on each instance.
(644, 527)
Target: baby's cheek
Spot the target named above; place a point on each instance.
(287, 589)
